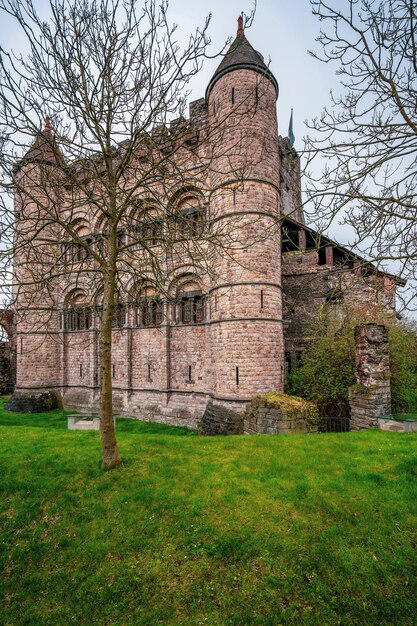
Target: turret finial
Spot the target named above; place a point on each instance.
(48, 126)
(240, 25)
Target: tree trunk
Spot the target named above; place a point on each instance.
(111, 457)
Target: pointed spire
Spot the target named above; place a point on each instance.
(291, 135)
(240, 28)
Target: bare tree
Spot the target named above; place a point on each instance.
(91, 211)
(367, 138)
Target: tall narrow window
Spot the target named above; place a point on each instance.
(233, 95)
(237, 376)
(151, 312)
(192, 308)
(119, 316)
(114, 371)
(262, 298)
(81, 370)
(234, 196)
(190, 372)
(149, 371)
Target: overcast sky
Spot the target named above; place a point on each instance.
(283, 30)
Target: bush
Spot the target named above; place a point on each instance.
(403, 362)
(328, 368)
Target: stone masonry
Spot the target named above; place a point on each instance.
(275, 413)
(371, 396)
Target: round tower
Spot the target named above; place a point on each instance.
(246, 309)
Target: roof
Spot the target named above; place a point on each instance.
(241, 55)
(44, 149)
(325, 241)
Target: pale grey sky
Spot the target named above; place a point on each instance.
(283, 30)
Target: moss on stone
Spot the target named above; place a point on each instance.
(292, 406)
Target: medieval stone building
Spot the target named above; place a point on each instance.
(208, 342)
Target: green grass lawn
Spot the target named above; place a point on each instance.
(301, 529)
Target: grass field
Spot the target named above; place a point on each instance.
(309, 529)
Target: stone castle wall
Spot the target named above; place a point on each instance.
(171, 371)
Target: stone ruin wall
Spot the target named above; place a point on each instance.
(311, 291)
(371, 396)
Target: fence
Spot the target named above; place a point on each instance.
(334, 425)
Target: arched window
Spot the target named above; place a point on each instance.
(189, 211)
(74, 252)
(119, 318)
(190, 302)
(146, 224)
(149, 308)
(77, 314)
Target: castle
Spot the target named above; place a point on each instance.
(210, 341)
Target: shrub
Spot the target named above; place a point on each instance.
(328, 367)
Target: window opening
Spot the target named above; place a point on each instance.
(78, 318)
(192, 308)
(237, 376)
(151, 312)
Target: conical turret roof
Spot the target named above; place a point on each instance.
(241, 55)
(44, 148)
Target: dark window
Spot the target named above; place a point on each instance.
(190, 372)
(114, 371)
(322, 256)
(121, 239)
(75, 253)
(233, 95)
(237, 376)
(150, 312)
(81, 370)
(262, 298)
(191, 222)
(287, 363)
(149, 232)
(79, 318)
(149, 371)
(192, 309)
(119, 316)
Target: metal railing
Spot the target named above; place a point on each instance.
(334, 425)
